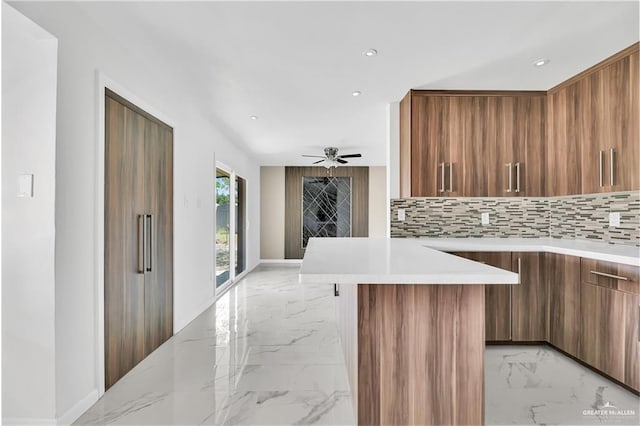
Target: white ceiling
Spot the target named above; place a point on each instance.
(295, 64)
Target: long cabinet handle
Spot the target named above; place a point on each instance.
(519, 270)
(509, 170)
(149, 245)
(602, 274)
(142, 241)
(600, 165)
(450, 177)
(517, 177)
(611, 166)
(441, 177)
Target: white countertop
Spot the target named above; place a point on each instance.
(392, 261)
(628, 255)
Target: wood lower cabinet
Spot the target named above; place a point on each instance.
(563, 283)
(529, 299)
(497, 297)
(609, 332)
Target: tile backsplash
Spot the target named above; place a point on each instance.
(584, 217)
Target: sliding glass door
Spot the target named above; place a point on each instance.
(223, 226)
(230, 225)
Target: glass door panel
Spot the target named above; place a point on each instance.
(223, 226)
(240, 234)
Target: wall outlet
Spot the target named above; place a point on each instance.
(614, 219)
(401, 214)
(484, 218)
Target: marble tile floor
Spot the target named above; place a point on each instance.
(268, 353)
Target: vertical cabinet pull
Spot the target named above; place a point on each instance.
(611, 166)
(509, 170)
(441, 177)
(149, 244)
(451, 177)
(142, 240)
(600, 165)
(517, 177)
(519, 271)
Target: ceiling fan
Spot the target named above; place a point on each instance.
(331, 157)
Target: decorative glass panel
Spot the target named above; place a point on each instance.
(326, 207)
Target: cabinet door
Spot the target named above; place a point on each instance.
(497, 297)
(456, 127)
(500, 154)
(609, 332)
(563, 278)
(428, 118)
(529, 146)
(563, 151)
(528, 299)
(589, 113)
(478, 120)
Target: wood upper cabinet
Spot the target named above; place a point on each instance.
(472, 144)
(563, 281)
(529, 298)
(497, 297)
(593, 140)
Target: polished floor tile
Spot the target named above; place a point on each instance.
(268, 353)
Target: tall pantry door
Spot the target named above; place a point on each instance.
(138, 281)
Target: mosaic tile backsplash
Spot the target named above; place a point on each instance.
(584, 217)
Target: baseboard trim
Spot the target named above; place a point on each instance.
(281, 261)
(182, 323)
(78, 409)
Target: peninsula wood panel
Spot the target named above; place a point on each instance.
(563, 277)
(497, 297)
(529, 299)
(420, 354)
(609, 332)
(293, 203)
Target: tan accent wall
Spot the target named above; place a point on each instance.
(378, 201)
(272, 212)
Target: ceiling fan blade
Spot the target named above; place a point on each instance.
(350, 156)
(341, 161)
(316, 156)
(319, 161)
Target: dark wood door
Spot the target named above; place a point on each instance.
(428, 130)
(497, 297)
(528, 299)
(529, 149)
(159, 205)
(500, 134)
(138, 280)
(563, 278)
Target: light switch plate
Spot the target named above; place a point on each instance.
(25, 186)
(484, 218)
(401, 214)
(614, 219)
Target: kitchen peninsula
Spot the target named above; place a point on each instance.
(411, 321)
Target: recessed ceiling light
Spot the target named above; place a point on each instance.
(254, 117)
(356, 93)
(370, 53)
(541, 62)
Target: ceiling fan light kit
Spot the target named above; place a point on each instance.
(331, 157)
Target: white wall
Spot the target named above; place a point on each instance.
(378, 201)
(28, 232)
(272, 212)
(85, 49)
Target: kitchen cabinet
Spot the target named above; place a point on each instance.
(472, 143)
(563, 283)
(497, 297)
(529, 299)
(610, 312)
(592, 128)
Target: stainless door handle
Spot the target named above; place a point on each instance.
(142, 239)
(600, 164)
(602, 274)
(450, 177)
(509, 170)
(442, 177)
(149, 248)
(517, 177)
(519, 271)
(611, 154)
